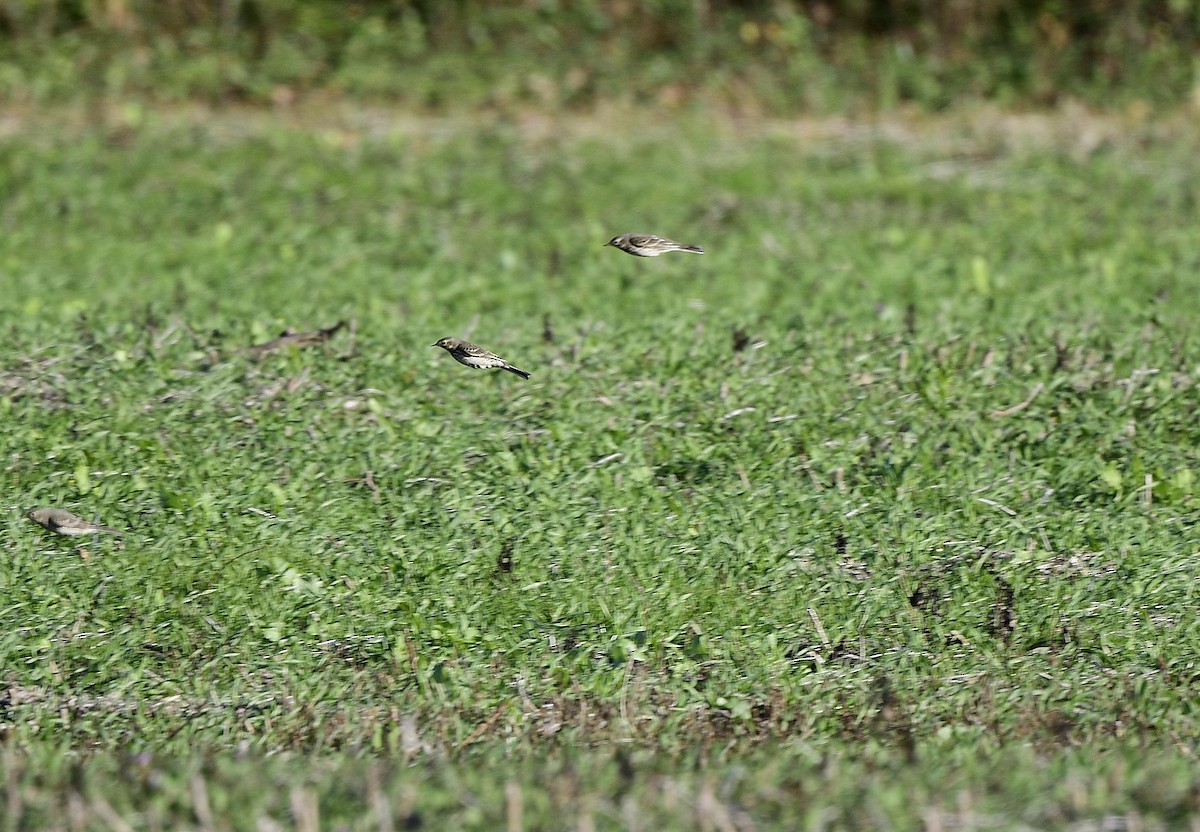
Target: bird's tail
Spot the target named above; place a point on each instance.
(694, 249)
(107, 530)
(515, 371)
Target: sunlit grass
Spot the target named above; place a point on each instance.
(900, 472)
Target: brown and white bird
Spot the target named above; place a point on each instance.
(649, 245)
(61, 521)
(465, 352)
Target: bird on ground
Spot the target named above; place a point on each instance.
(64, 522)
(649, 245)
(465, 352)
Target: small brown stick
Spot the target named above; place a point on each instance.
(1000, 506)
(1017, 408)
(297, 339)
(483, 727)
(812, 614)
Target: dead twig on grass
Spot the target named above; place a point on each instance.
(290, 338)
(1019, 406)
(483, 727)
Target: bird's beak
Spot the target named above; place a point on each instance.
(609, 243)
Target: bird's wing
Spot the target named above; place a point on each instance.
(480, 352)
(484, 359)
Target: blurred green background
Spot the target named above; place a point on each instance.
(756, 56)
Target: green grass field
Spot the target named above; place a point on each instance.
(879, 515)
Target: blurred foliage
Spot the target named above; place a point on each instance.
(761, 55)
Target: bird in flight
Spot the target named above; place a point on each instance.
(649, 245)
(465, 352)
(61, 521)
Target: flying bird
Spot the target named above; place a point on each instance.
(64, 522)
(649, 245)
(465, 352)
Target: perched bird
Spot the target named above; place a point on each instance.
(648, 245)
(60, 521)
(465, 352)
